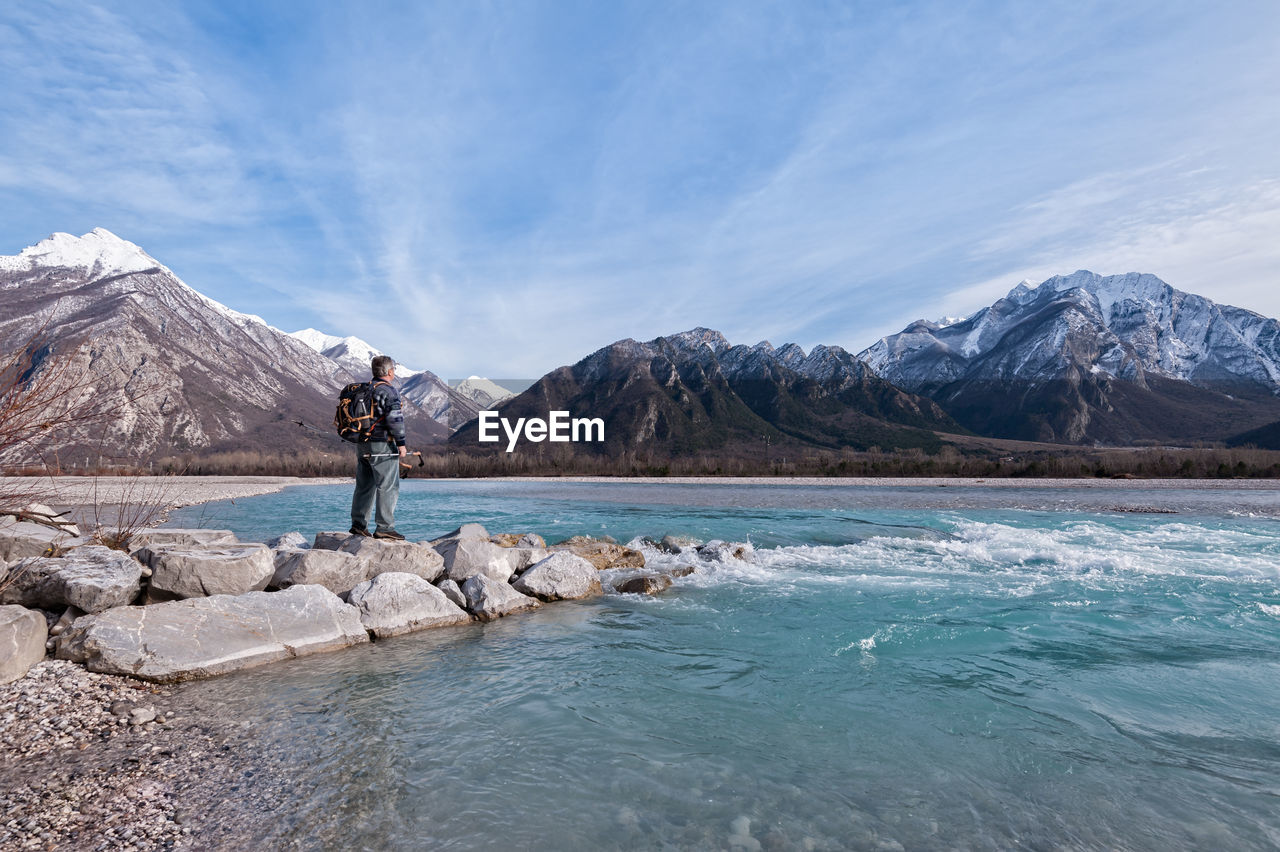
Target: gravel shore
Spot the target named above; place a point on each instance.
(96, 762)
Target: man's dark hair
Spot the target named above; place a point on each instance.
(382, 364)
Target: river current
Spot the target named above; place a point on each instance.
(906, 667)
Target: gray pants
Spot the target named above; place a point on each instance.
(377, 479)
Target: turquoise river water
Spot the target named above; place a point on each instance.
(906, 667)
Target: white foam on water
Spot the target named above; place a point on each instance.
(1003, 558)
(1270, 609)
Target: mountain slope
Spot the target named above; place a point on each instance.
(694, 392)
(1085, 358)
(483, 392)
(217, 378)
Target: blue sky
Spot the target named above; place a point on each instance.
(501, 188)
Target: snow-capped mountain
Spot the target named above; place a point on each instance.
(352, 353)
(483, 392)
(1085, 357)
(695, 392)
(421, 389)
(214, 377)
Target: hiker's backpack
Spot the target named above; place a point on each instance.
(354, 418)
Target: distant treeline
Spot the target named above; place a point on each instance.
(1145, 462)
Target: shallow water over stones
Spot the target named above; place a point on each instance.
(888, 676)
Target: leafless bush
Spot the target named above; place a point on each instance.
(138, 502)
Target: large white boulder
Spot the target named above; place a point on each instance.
(20, 539)
(91, 578)
(464, 531)
(190, 571)
(488, 598)
(23, 634)
(337, 571)
(405, 557)
(391, 604)
(201, 637)
(466, 557)
(561, 576)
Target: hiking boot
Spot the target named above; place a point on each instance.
(361, 531)
(389, 534)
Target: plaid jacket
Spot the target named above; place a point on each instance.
(387, 417)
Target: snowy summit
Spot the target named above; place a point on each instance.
(99, 251)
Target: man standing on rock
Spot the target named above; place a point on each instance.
(378, 459)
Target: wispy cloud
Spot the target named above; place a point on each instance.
(500, 189)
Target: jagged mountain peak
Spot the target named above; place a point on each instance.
(697, 338)
(99, 251)
(1069, 338)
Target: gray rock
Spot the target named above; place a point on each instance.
(336, 570)
(720, 551)
(142, 715)
(488, 598)
(23, 634)
(93, 578)
(69, 615)
(330, 540)
(561, 576)
(452, 591)
(464, 531)
(392, 604)
(404, 557)
(201, 637)
(464, 558)
(676, 543)
(190, 571)
(514, 540)
(164, 536)
(289, 541)
(603, 554)
(21, 540)
(645, 584)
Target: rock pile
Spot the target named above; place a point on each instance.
(191, 603)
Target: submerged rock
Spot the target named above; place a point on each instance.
(488, 598)
(645, 584)
(23, 634)
(392, 604)
(190, 571)
(201, 637)
(336, 570)
(676, 543)
(561, 576)
(92, 578)
(405, 557)
(718, 551)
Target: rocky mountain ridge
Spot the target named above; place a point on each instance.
(696, 392)
(1085, 357)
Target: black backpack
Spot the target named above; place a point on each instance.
(354, 418)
